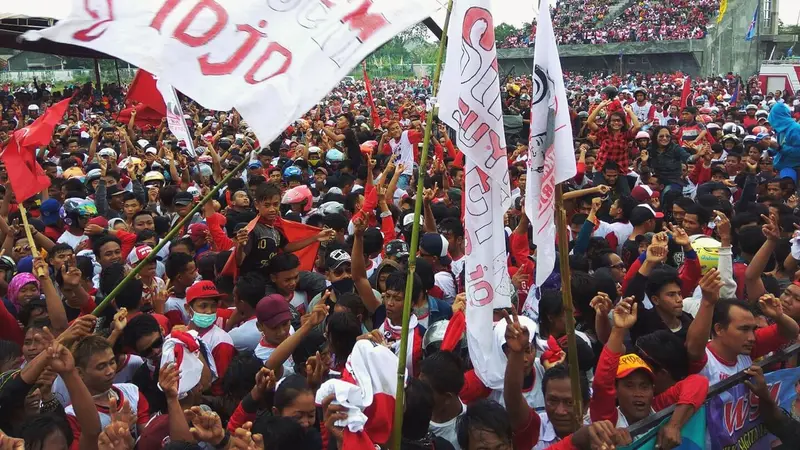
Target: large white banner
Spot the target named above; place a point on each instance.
(551, 158)
(175, 120)
(470, 103)
(270, 59)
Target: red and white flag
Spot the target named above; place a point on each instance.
(270, 59)
(175, 120)
(143, 96)
(19, 155)
(470, 103)
(551, 157)
(367, 390)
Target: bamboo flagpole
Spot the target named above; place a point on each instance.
(569, 309)
(551, 162)
(412, 252)
(34, 251)
(135, 271)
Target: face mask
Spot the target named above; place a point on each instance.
(204, 320)
(343, 286)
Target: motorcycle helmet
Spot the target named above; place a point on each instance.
(292, 171)
(75, 209)
(7, 264)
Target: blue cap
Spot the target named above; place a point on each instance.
(788, 172)
(49, 211)
(761, 136)
(25, 265)
(255, 165)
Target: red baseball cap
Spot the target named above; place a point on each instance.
(202, 289)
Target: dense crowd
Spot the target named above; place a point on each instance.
(243, 330)
(644, 20)
(572, 18)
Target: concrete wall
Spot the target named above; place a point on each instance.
(725, 49)
(684, 55)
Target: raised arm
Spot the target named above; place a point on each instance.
(752, 275)
(55, 307)
(359, 270)
(590, 122)
(700, 329)
(61, 362)
(288, 346)
(518, 344)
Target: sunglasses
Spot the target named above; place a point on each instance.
(22, 248)
(158, 343)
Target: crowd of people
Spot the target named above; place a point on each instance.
(644, 20)
(572, 18)
(295, 273)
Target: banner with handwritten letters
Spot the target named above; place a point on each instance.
(551, 158)
(175, 120)
(734, 419)
(270, 59)
(470, 103)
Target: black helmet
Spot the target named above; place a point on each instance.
(610, 91)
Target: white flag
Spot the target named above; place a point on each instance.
(470, 103)
(551, 158)
(175, 120)
(270, 59)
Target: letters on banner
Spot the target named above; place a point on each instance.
(470, 103)
(270, 59)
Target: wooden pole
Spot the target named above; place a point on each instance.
(412, 252)
(116, 66)
(34, 252)
(151, 257)
(569, 310)
(97, 74)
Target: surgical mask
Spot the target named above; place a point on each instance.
(204, 320)
(343, 286)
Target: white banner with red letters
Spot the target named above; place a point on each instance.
(470, 103)
(270, 59)
(551, 157)
(175, 120)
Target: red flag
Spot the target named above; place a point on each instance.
(146, 99)
(24, 173)
(376, 119)
(294, 231)
(687, 89)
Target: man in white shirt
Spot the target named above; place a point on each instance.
(735, 338)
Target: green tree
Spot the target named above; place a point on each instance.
(504, 30)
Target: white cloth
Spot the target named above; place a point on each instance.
(404, 150)
(551, 157)
(189, 362)
(374, 369)
(244, 53)
(470, 103)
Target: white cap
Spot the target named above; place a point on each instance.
(151, 150)
(33, 107)
(143, 143)
(409, 219)
(108, 152)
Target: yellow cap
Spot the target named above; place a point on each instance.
(630, 362)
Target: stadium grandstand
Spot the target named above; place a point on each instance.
(652, 36)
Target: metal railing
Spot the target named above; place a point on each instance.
(645, 425)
